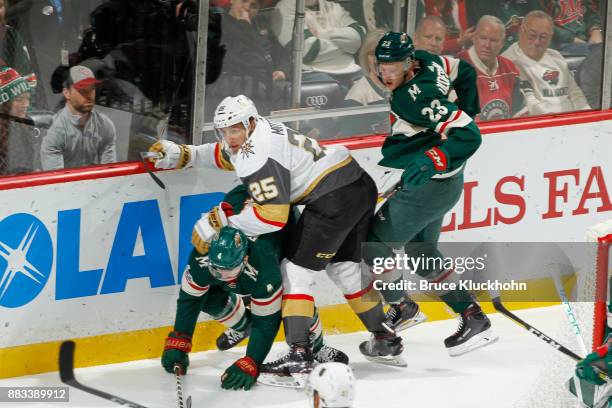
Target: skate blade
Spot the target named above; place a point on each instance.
(288, 381)
(396, 361)
(420, 317)
(480, 340)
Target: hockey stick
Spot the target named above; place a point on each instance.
(385, 195)
(569, 313)
(498, 305)
(145, 156)
(179, 388)
(66, 369)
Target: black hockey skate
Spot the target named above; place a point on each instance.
(231, 337)
(329, 354)
(474, 332)
(384, 348)
(402, 316)
(291, 370)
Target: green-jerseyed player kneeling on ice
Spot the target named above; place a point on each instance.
(593, 391)
(431, 141)
(235, 271)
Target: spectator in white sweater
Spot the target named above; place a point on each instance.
(546, 82)
(332, 38)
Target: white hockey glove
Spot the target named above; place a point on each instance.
(209, 225)
(173, 155)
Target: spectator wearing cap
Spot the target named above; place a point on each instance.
(19, 143)
(13, 50)
(545, 79)
(79, 135)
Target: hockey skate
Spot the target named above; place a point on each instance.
(329, 354)
(291, 370)
(231, 337)
(474, 332)
(384, 348)
(402, 316)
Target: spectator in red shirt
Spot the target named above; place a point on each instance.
(498, 77)
(454, 14)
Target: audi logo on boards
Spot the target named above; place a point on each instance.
(316, 100)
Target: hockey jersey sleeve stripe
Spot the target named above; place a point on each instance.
(220, 160)
(267, 307)
(252, 223)
(190, 287)
(447, 67)
(457, 119)
(273, 214)
(267, 301)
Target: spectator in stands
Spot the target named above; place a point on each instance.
(577, 24)
(510, 12)
(332, 38)
(546, 82)
(371, 14)
(79, 135)
(429, 36)
(255, 63)
(498, 77)
(459, 32)
(19, 143)
(368, 90)
(13, 51)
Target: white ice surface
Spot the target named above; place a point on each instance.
(495, 376)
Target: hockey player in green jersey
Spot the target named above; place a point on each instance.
(593, 391)
(430, 142)
(236, 270)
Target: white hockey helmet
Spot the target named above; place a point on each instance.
(331, 385)
(234, 109)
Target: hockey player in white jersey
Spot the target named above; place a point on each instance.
(283, 168)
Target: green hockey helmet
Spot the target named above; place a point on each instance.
(393, 47)
(227, 253)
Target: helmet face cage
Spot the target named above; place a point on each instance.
(226, 274)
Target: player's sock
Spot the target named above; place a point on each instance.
(474, 332)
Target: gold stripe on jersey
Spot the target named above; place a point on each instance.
(320, 177)
(275, 214)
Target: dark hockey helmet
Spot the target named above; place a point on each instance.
(394, 46)
(227, 253)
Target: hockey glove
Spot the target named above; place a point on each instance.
(173, 156)
(601, 359)
(209, 225)
(176, 349)
(419, 171)
(242, 374)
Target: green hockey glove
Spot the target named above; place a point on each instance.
(176, 349)
(419, 171)
(601, 359)
(242, 374)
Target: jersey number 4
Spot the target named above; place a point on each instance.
(435, 111)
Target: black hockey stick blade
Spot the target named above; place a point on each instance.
(499, 306)
(156, 179)
(66, 369)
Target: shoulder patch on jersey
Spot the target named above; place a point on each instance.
(413, 91)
